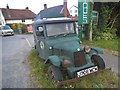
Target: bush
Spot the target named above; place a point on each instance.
(108, 34)
(16, 26)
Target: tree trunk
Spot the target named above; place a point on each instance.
(91, 21)
(114, 20)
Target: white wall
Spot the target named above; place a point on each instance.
(72, 11)
(13, 21)
(2, 20)
(27, 21)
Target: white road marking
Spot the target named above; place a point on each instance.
(28, 42)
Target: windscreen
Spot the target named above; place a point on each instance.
(5, 27)
(59, 28)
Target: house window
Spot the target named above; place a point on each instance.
(23, 20)
(75, 11)
(70, 11)
(75, 14)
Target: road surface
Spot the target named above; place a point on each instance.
(15, 70)
(111, 61)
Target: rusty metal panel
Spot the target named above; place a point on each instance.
(79, 59)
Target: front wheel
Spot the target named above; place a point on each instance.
(98, 61)
(55, 74)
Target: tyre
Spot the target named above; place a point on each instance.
(35, 46)
(55, 74)
(98, 61)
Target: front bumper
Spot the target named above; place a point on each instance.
(7, 33)
(59, 84)
(72, 71)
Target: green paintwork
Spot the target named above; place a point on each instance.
(98, 50)
(72, 70)
(71, 46)
(54, 48)
(83, 12)
(55, 60)
(95, 50)
(83, 15)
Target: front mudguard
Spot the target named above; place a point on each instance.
(95, 51)
(55, 60)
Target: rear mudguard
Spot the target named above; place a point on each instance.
(55, 60)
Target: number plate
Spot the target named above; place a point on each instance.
(87, 71)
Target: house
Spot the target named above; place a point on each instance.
(11, 16)
(2, 19)
(54, 12)
(73, 11)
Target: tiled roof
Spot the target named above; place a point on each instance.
(73, 6)
(53, 12)
(17, 14)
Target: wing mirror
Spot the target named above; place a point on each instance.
(39, 31)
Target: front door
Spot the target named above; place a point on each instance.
(40, 42)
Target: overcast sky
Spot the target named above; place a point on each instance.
(34, 5)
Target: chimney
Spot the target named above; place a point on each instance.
(65, 8)
(45, 6)
(27, 8)
(7, 6)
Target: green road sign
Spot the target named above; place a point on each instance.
(83, 12)
(83, 15)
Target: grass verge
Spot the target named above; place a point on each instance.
(106, 44)
(106, 79)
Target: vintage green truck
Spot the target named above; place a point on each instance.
(57, 43)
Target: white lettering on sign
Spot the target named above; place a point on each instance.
(85, 12)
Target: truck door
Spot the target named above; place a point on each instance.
(40, 45)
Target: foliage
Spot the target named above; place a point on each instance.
(111, 45)
(105, 79)
(39, 70)
(106, 30)
(106, 12)
(16, 26)
(107, 34)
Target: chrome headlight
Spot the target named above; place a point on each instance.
(3, 32)
(50, 48)
(87, 49)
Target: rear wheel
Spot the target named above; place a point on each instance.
(98, 61)
(55, 74)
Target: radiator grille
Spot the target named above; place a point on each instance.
(79, 59)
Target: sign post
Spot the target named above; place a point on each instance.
(83, 15)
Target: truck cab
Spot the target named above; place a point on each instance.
(58, 44)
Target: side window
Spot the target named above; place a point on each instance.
(40, 31)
